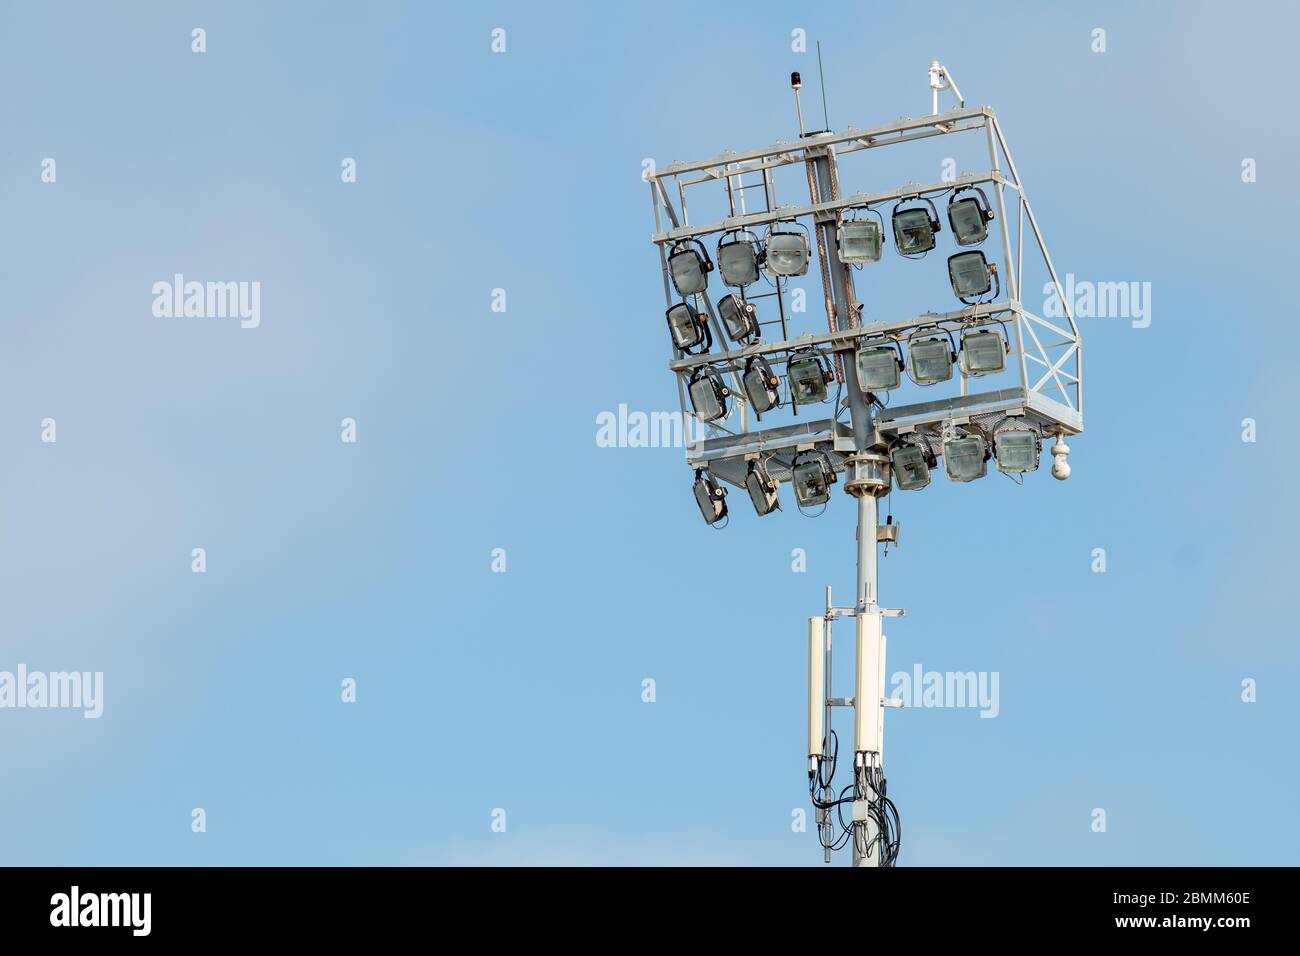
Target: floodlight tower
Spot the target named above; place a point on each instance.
(880, 443)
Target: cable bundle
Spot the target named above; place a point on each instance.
(869, 786)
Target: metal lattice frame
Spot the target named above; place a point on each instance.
(1046, 356)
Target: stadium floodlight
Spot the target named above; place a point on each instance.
(689, 265)
(930, 360)
(861, 240)
(871, 434)
(808, 376)
(708, 394)
(983, 352)
(965, 458)
(812, 477)
(739, 318)
(762, 488)
(880, 367)
(915, 227)
(710, 496)
(738, 258)
(760, 384)
(688, 327)
(1017, 447)
(972, 276)
(911, 464)
(969, 216)
(786, 251)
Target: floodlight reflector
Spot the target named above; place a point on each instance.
(738, 259)
(689, 265)
(739, 318)
(983, 352)
(812, 479)
(708, 395)
(969, 216)
(1017, 449)
(860, 240)
(930, 360)
(711, 497)
(911, 465)
(808, 378)
(787, 253)
(915, 227)
(761, 385)
(965, 458)
(762, 488)
(879, 368)
(970, 274)
(687, 327)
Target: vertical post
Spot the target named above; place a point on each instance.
(1012, 280)
(868, 711)
(840, 296)
(867, 569)
(817, 693)
(828, 793)
(823, 185)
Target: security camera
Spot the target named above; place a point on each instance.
(1060, 452)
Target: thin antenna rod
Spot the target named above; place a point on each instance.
(796, 83)
(826, 120)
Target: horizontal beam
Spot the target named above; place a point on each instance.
(716, 173)
(768, 440)
(846, 338)
(786, 147)
(725, 455)
(830, 208)
(910, 417)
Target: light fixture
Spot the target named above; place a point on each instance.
(930, 360)
(710, 496)
(915, 226)
(760, 384)
(879, 367)
(972, 276)
(969, 216)
(738, 258)
(689, 265)
(860, 240)
(1017, 447)
(762, 488)
(786, 252)
(812, 477)
(689, 329)
(808, 376)
(739, 318)
(708, 394)
(911, 465)
(983, 352)
(965, 458)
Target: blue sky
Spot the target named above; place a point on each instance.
(476, 430)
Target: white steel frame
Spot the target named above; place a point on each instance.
(1047, 395)
(1047, 354)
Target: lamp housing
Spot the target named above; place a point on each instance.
(689, 266)
(930, 360)
(710, 497)
(965, 458)
(969, 216)
(915, 227)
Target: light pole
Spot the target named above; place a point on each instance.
(723, 360)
